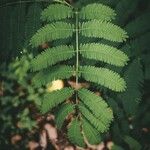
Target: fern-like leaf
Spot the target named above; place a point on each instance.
(74, 133)
(132, 96)
(53, 99)
(124, 9)
(52, 56)
(56, 12)
(51, 32)
(138, 26)
(104, 53)
(97, 105)
(90, 114)
(63, 112)
(105, 30)
(90, 133)
(97, 11)
(57, 72)
(104, 77)
(100, 126)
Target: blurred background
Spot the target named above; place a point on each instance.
(21, 124)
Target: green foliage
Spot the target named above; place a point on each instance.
(20, 21)
(133, 144)
(86, 24)
(92, 11)
(52, 31)
(63, 112)
(132, 95)
(21, 67)
(116, 147)
(56, 12)
(51, 57)
(100, 126)
(105, 53)
(117, 111)
(74, 133)
(139, 46)
(138, 26)
(51, 100)
(94, 102)
(91, 134)
(53, 73)
(17, 97)
(124, 10)
(104, 77)
(104, 30)
(25, 121)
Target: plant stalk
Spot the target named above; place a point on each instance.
(77, 49)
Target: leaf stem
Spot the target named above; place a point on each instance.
(77, 49)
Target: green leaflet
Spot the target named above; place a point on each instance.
(51, 56)
(63, 112)
(104, 77)
(105, 53)
(53, 31)
(74, 133)
(100, 126)
(105, 30)
(133, 144)
(56, 97)
(132, 96)
(97, 105)
(57, 72)
(91, 134)
(97, 11)
(56, 12)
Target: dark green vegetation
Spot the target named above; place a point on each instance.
(129, 128)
